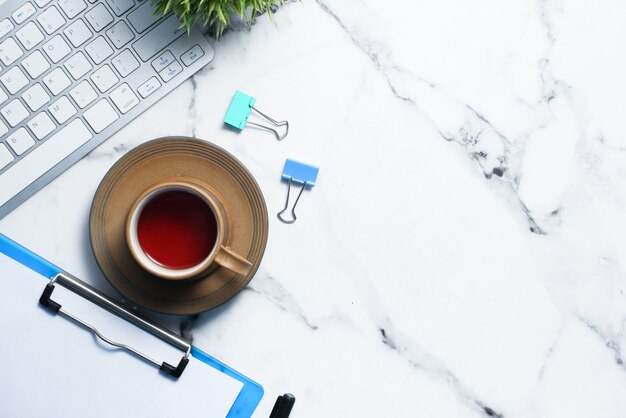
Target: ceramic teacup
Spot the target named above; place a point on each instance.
(179, 229)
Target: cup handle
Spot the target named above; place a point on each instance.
(230, 260)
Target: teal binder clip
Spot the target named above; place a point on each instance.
(297, 172)
(239, 110)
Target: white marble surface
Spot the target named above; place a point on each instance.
(463, 253)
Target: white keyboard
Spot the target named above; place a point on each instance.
(72, 73)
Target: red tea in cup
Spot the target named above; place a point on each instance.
(177, 229)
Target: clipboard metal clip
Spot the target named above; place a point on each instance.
(88, 292)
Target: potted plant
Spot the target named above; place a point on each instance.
(216, 14)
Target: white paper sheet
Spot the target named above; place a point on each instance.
(52, 367)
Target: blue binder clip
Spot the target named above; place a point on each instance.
(296, 172)
(239, 110)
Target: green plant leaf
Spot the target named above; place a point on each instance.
(214, 13)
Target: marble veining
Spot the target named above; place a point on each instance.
(472, 131)
(271, 289)
(462, 254)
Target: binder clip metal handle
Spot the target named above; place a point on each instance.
(83, 289)
(272, 121)
(296, 172)
(293, 208)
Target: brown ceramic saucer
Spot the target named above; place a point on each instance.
(143, 167)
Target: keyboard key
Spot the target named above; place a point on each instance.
(158, 38)
(35, 97)
(51, 20)
(5, 27)
(29, 36)
(56, 81)
(14, 112)
(124, 98)
(78, 65)
(149, 87)
(20, 141)
(35, 64)
(192, 55)
(99, 17)
(42, 3)
(43, 158)
(72, 7)
(143, 17)
(104, 78)
(170, 72)
(120, 34)
(100, 115)
(3, 96)
(121, 6)
(5, 156)
(162, 61)
(77, 33)
(62, 110)
(23, 13)
(14, 80)
(99, 50)
(83, 94)
(56, 49)
(3, 129)
(125, 63)
(10, 51)
(41, 125)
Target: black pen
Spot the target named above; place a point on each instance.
(283, 406)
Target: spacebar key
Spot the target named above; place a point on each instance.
(158, 38)
(42, 159)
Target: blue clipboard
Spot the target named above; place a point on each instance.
(251, 392)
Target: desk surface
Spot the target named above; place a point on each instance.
(463, 251)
